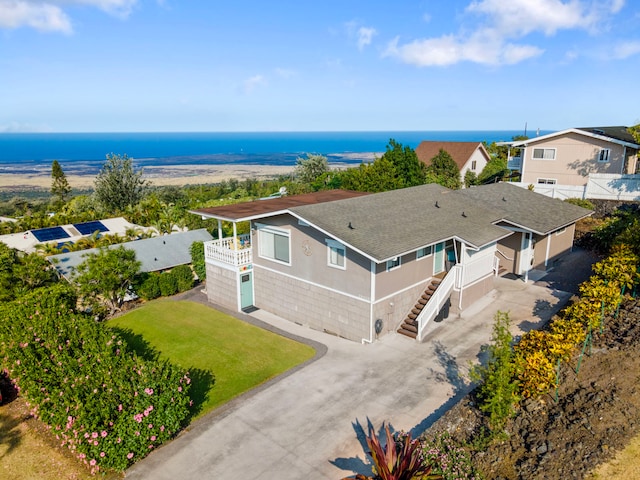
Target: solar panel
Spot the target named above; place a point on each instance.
(49, 233)
(87, 228)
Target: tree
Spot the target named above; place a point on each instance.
(408, 167)
(309, 169)
(470, 178)
(105, 277)
(493, 171)
(60, 187)
(445, 170)
(197, 259)
(378, 176)
(118, 184)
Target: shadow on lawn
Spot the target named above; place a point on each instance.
(201, 380)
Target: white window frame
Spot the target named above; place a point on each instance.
(333, 246)
(546, 181)
(394, 263)
(264, 230)
(561, 231)
(606, 153)
(544, 154)
(474, 165)
(428, 249)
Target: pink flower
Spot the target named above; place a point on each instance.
(120, 407)
(148, 391)
(153, 438)
(130, 455)
(118, 440)
(151, 425)
(92, 462)
(104, 433)
(94, 435)
(179, 389)
(162, 428)
(102, 454)
(95, 442)
(137, 434)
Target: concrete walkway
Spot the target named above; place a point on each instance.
(309, 425)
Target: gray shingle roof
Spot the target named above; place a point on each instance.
(388, 224)
(522, 207)
(157, 253)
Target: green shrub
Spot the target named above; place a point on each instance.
(168, 284)
(149, 288)
(108, 406)
(197, 260)
(184, 277)
(581, 202)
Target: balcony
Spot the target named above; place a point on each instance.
(514, 163)
(232, 251)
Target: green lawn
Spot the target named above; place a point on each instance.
(225, 356)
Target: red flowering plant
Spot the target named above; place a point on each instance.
(104, 403)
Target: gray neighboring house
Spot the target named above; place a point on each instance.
(360, 266)
(155, 254)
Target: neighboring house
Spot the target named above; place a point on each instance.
(467, 155)
(59, 235)
(358, 265)
(569, 156)
(155, 254)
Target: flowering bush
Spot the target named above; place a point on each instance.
(450, 460)
(107, 405)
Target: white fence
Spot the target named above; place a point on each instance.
(601, 186)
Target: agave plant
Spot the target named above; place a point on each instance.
(401, 457)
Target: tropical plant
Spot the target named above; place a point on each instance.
(119, 184)
(400, 458)
(449, 459)
(444, 170)
(498, 390)
(197, 259)
(308, 169)
(60, 187)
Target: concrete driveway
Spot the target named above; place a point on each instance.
(308, 425)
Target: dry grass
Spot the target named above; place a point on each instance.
(625, 465)
(28, 450)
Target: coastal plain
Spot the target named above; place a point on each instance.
(158, 175)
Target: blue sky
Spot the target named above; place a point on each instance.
(210, 65)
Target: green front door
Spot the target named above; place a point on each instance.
(438, 259)
(246, 289)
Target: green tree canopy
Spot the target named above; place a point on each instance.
(409, 170)
(445, 171)
(60, 187)
(119, 184)
(378, 176)
(104, 277)
(309, 169)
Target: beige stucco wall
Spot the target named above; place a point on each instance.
(471, 294)
(411, 271)
(561, 244)
(311, 305)
(510, 247)
(309, 261)
(576, 157)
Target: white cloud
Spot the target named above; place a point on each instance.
(365, 35)
(50, 15)
(252, 83)
(626, 50)
(285, 73)
(17, 127)
(501, 23)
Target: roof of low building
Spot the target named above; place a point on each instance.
(523, 208)
(461, 152)
(154, 254)
(389, 224)
(616, 134)
(239, 212)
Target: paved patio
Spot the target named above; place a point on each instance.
(309, 424)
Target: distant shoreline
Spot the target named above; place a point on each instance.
(178, 175)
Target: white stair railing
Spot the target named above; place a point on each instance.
(437, 300)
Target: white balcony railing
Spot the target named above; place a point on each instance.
(437, 301)
(231, 251)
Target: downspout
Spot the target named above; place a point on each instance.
(546, 255)
(371, 297)
(219, 229)
(462, 269)
(624, 160)
(527, 264)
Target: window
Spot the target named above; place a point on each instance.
(603, 156)
(473, 164)
(274, 244)
(336, 253)
(547, 181)
(561, 231)
(424, 252)
(544, 153)
(393, 264)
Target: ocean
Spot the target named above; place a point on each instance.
(84, 153)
